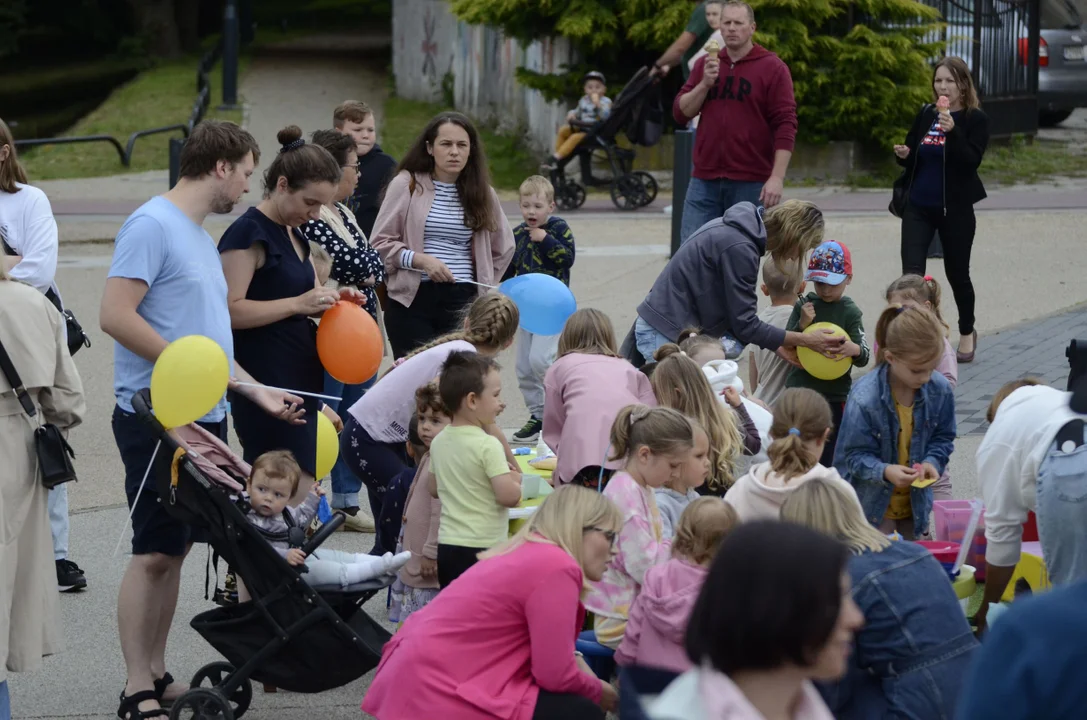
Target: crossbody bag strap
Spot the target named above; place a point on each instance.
(16, 382)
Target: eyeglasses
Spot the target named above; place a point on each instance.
(350, 167)
(609, 535)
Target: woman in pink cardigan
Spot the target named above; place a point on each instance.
(584, 390)
(440, 231)
(499, 642)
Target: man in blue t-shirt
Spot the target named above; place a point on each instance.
(165, 282)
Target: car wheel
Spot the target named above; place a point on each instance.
(1052, 118)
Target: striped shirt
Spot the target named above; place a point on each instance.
(445, 237)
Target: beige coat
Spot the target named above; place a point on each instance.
(33, 334)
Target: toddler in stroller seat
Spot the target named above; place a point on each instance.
(272, 483)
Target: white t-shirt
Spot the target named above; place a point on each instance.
(28, 227)
(386, 409)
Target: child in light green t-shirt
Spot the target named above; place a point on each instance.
(474, 481)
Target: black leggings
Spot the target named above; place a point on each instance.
(566, 706)
(454, 561)
(376, 464)
(957, 228)
(837, 409)
(436, 310)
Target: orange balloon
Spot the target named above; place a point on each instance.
(349, 343)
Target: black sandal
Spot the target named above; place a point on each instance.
(130, 706)
(161, 684)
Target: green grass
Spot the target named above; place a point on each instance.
(510, 161)
(162, 95)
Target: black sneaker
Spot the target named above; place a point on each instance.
(529, 431)
(69, 577)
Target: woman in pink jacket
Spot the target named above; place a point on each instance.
(499, 642)
(584, 390)
(441, 232)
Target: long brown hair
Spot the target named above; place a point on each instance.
(589, 332)
(679, 383)
(807, 413)
(11, 170)
(474, 181)
(960, 73)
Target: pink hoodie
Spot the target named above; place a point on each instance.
(657, 625)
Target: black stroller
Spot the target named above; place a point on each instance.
(289, 634)
(638, 113)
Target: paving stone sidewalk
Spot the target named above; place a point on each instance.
(1033, 349)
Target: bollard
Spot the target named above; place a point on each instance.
(681, 178)
(230, 55)
(175, 159)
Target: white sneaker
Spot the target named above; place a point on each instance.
(393, 563)
(668, 210)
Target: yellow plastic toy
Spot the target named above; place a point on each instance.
(820, 366)
(1032, 568)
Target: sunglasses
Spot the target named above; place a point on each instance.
(609, 535)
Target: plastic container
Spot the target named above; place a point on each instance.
(965, 585)
(950, 518)
(944, 550)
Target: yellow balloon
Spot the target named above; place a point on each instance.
(328, 445)
(820, 366)
(188, 380)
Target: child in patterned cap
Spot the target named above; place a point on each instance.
(831, 271)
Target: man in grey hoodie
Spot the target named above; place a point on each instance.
(710, 283)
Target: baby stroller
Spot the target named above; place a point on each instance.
(289, 634)
(638, 113)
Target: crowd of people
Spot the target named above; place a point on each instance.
(744, 549)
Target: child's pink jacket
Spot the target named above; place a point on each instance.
(422, 514)
(657, 627)
(582, 396)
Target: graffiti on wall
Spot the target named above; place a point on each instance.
(430, 47)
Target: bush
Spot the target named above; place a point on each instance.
(860, 69)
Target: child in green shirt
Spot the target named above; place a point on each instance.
(831, 270)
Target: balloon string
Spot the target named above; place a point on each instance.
(456, 280)
(143, 482)
(287, 390)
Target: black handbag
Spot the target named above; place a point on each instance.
(54, 453)
(77, 339)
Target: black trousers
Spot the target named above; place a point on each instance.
(837, 409)
(957, 229)
(438, 309)
(566, 706)
(454, 561)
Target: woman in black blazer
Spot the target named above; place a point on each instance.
(941, 156)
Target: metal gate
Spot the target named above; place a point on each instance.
(998, 39)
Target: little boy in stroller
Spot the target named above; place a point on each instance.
(593, 107)
(272, 483)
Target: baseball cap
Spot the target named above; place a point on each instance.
(594, 75)
(830, 264)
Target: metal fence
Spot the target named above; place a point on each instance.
(998, 39)
(199, 109)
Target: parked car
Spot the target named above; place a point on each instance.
(1062, 65)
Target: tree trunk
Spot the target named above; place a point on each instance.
(157, 23)
(187, 14)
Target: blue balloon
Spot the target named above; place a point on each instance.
(544, 302)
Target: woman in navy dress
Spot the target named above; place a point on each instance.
(272, 291)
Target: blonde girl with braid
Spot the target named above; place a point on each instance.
(376, 427)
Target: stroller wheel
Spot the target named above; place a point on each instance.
(201, 704)
(650, 184)
(569, 195)
(214, 675)
(628, 192)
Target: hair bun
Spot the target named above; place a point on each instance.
(289, 134)
(666, 350)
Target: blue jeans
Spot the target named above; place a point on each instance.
(5, 701)
(709, 199)
(58, 523)
(1062, 513)
(647, 339)
(345, 486)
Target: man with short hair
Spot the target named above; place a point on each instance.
(748, 127)
(165, 282)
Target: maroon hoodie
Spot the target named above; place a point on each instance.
(749, 115)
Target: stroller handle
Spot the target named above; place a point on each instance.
(324, 533)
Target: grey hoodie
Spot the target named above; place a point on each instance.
(710, 283)
(671, 505)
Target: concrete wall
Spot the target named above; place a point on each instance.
(429, 44)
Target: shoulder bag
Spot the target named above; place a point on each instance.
(77, 339)
(53, 451)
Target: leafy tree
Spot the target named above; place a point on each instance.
(859, 67)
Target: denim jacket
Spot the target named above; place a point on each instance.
(868, 441)
(914, 650)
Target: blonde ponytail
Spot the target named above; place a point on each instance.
(800, 416)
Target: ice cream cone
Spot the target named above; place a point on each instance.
(943, 104)
(712, 49)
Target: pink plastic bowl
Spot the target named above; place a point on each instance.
(943, 550)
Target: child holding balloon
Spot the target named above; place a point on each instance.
(898, 430)
(831, 270)
(543, 244)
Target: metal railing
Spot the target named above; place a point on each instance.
(199, 109)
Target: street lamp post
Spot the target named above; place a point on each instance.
(230, 56)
